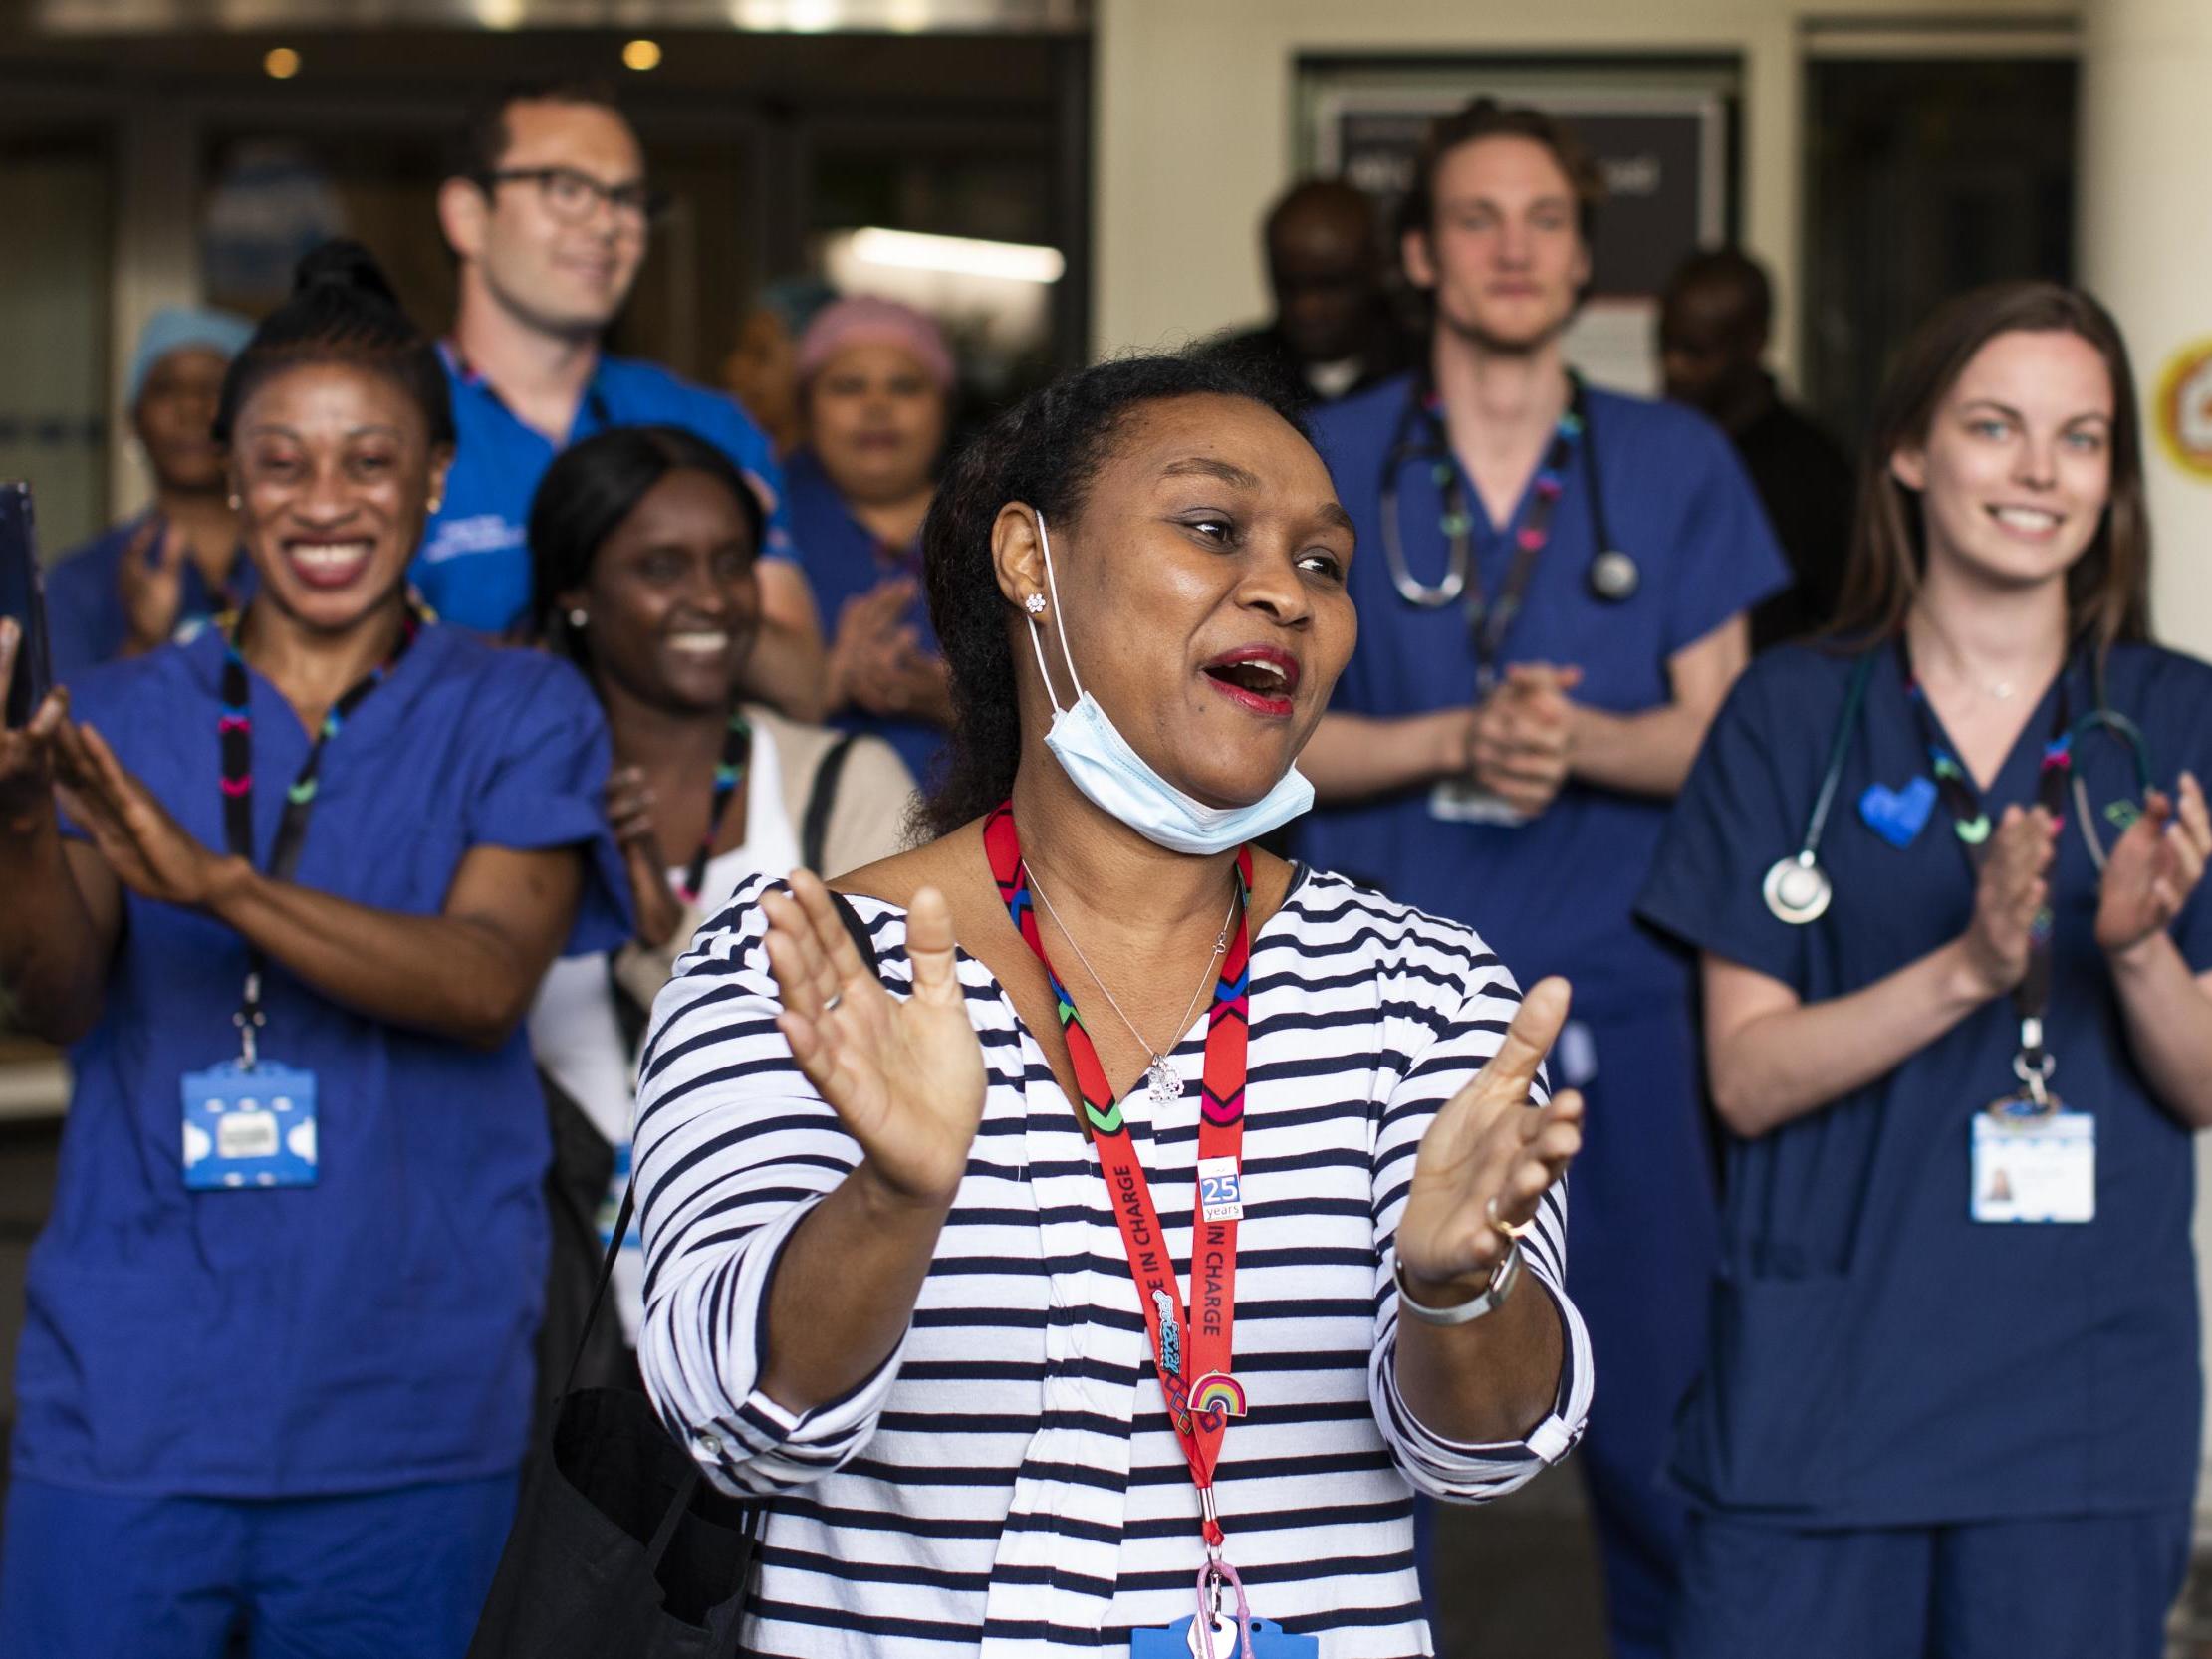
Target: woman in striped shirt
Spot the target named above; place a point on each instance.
(898, 1214)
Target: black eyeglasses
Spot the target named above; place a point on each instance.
(573, 197)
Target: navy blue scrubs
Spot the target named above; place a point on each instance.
(1557, 895)
(370, 1334)
(844, 560)
(1880, 1361)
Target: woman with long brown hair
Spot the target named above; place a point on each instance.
(1942, 869)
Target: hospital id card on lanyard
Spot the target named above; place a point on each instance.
(2030, 1160)
(250, 1123)
(1191, 1354)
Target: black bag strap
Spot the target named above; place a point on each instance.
(822, 799)
(867, 947)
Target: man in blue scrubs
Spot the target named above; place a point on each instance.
(547, 215)
(1552, 586)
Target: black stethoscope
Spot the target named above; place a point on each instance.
(1798, 890)
(1612, 577)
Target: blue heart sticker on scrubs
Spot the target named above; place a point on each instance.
(1897, 814)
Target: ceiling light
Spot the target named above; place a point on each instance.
(966, 255)
(641, 54)
(281, 63)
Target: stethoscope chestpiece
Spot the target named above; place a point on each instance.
(1796, 889)
(1613, 576)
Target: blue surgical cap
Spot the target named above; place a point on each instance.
(173, 327)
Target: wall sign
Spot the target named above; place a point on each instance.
(2181, 409)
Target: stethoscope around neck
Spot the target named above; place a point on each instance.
(1797, 889)
(1612, 576)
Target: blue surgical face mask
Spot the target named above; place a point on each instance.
(1117, 779)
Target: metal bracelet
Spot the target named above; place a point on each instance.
(1501, 1278)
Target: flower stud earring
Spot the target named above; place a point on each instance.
(576, 617)
(234, 502)
(1033, 604)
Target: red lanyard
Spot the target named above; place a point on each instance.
(1191, 1354)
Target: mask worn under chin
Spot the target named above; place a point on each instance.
(1116, 779)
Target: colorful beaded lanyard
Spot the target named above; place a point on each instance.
(1970, 823)
(1192, 1359)
(729, 773)
(234, 733)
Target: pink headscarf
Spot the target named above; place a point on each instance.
(884, 321)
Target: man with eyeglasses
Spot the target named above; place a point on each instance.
(546, 212)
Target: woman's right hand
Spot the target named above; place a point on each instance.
(871, 637)
(150, 583)
(27, 752)
(905, 1077)
(2010, 890)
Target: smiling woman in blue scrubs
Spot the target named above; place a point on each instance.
(274, 1381)
(1961, 1033)
(1552, 586)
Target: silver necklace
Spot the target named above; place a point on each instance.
(1161, 1081)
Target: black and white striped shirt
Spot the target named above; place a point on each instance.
(1008, 1483)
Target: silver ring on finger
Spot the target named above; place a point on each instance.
(1510, 1230)
(830, 1006)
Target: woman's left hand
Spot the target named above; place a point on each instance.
(150, 852)
(2155, 867)
(1490, 1157)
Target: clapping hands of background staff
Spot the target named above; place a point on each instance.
(1520, 740)
(2155, 867)
(629, 813)
(53, 755)
(151, 582)
(877, 662)
(1487, 1143)
(2011, 889)
(2151, 872)
(905, 1077)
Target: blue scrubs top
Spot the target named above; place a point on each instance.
(474, 565)
(1879, 1358)
(84, 621)
(375, 1330)
(1555, 896)
(844, 560)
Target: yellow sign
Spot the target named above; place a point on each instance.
(2182, 412)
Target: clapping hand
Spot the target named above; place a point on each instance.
(2155, 867)
(872, 640)
(151, 582)
(905, 1077)
(150, 852)
(26, 754)
(1488, 1158)
(2009, 892)
(629, 813)
(1522, 743)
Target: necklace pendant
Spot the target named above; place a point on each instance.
(1164, 1086)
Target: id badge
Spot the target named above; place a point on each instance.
(1183, 1640)
(249, 1128)
(2031, 1167)
(1458, 800)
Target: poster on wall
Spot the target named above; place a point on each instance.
(1662, 149)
